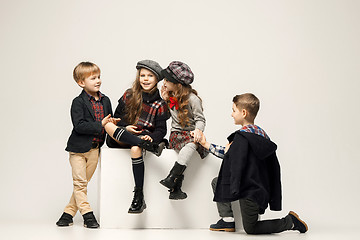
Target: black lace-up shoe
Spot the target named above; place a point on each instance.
(299, 224)
(221, 225)
(90, 220)
(65, 220)
(138, 203)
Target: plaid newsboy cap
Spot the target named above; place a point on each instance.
(178, 72)
(152, 66)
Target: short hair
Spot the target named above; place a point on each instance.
(249, 102)
(84, 70)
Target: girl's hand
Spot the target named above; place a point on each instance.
(201, 140)
(164, 92)
(132, 129)
(198, 135)
(146, 138)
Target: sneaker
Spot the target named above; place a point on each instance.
(299, 224)
(90, 220)
(221, 225)
(65, 220)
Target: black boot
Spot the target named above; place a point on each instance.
(90, 220)
(138, 204)
(65, 220)
(152, 147)
(176, 193)
(175, 173)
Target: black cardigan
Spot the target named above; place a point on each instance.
(85, 127)
(250, 169)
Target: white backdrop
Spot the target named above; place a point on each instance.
(301, 58)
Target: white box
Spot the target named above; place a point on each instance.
(116, 186)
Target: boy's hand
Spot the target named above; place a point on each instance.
(164, 93)
(227, 146)
(146, 138)
(106, 120)
(201, 140)
(132, 129)
(114, 120)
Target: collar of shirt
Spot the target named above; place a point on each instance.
(254, 129)
(92, 98)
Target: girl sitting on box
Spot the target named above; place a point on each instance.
(188, 122)
(143, 113)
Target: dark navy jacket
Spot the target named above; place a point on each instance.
(85, 127)
(250, 169)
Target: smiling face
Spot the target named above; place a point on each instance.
(147, 79)
(91, 84)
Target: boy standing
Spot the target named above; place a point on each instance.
(250, 173)
(88, 112)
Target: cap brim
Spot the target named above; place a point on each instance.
(169, 77)
(159, 78)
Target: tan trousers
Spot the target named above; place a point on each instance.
(83, 167)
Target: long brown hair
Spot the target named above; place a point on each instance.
(135, 101)
(182, 94)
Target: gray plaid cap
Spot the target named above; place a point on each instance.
(152, 66)
(179, 72)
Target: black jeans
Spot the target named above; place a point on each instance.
(250, 217)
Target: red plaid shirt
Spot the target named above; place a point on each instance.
(254, 129)
(219, 151)
(98, 108)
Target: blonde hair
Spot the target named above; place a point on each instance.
(134, 103)
(182, 94)
(84, 70)
(249, 102)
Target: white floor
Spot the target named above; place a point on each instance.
(50, 231)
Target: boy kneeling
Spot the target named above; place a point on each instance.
(250, 173)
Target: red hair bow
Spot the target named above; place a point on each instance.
(174, 103)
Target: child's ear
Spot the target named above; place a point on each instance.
(81, 83)
(244, 113)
